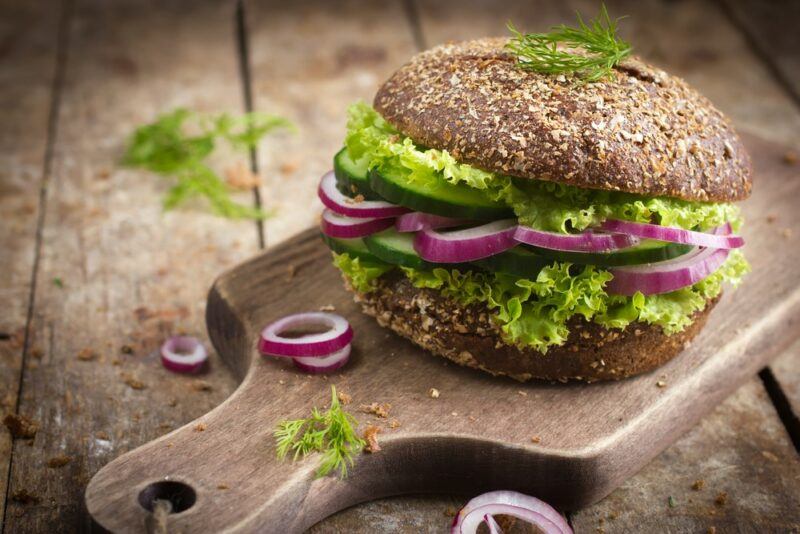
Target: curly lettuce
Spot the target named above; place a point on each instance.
(534, 313)
(373, 143)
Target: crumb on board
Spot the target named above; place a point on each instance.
(201, 385)
(522, 393)
(37, 353)
(770, 456)
(86, 354)
(721, 499)
(100, 434)
(379, 410)
(291, 270)
(344, 398)
(698, 484)
(23, 496)
(536, 439)
(222, 486)
(59, 461)
(786, 233)
(282, 382)
(133, 382)
(472, 418)
(200, 427)
(371, 437)
(771, 218)
(661, 384)
(172, 402)
(711, 530)
(394, 423)
(288, 167)
(790, 157)
(433, 393)
(126, 349)
(20, 426)
(327, 308)
(454, 414)
(239, 176)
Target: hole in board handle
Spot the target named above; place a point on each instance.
(180, 495)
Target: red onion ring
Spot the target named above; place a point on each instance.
(666, 276)
(336, 225)
(524, 507)
(183, 354)
(343, 205)
(466, 245)
(587, 241)
(674, 235)
(324, 364)
(338, 335)
(416, 221)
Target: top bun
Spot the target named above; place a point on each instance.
(640, 131)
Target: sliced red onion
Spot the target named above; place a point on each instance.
(494, 528)
(466, 245)
(512, 503)
(343, 205)
(586, 241)
(674, 235)
(338, 335)
(335, 225)
(666, 276)
(324, 364)
(416, 221)
(183, 354)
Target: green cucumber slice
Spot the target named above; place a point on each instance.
(648, 251)
(352, 247)
(441, 198)
(351, 178)
(518, 261)
(394, 247)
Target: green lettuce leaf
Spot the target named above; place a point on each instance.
(361, 273)
(373, 142)
(534, 313)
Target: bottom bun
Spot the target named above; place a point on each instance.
(468, 336)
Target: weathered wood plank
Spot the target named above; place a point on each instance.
(29, 33)
(771, 27)
(310, 60)
(131, 274)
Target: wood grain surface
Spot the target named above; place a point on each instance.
(593, 437)
(195, 64)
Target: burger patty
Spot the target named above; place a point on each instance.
(641, 131)
(468, 336)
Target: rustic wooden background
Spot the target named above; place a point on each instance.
(95, 275)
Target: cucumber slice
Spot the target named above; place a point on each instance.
(393, 247)
(518, 261)
(352, 179)
(352, 247)
(648, 251)
(441, 198)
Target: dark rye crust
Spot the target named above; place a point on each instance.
(467, 336)
(641, 131)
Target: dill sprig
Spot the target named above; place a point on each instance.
(331, 432)
(166, 148)
(549, 53)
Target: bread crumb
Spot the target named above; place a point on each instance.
(394, 423)
(200, 427)
(102, 435)
(771, 218)
(722, 498)
(344, 398)
(288, 167)
(86, 355)
(786, 233)
(790, 157)
(698, 484)
(522, 393)
(281, 382)
(201, 385)
(222, 486)
(240, 177)
(133, 382)
(769, 456)
(661, 384)
(379, 410)
(327, 308)
(371, 437)
(433, 393)
(536, 439)
(23, 496)
(21, 427)
(59, 461)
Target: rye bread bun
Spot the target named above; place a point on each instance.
(467, 336)
(641, 131)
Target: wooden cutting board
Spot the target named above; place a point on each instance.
(477, 435)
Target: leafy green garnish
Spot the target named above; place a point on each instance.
(165, 147)
(331, 432)
(554, 52)
(360, 272)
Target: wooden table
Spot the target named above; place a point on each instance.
(92, 266)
